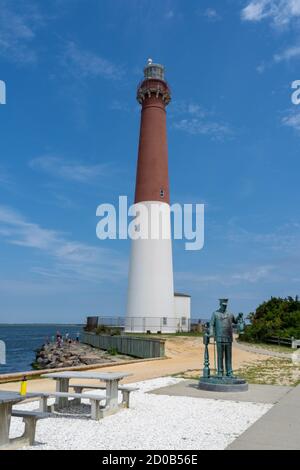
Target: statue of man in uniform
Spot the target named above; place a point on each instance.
(221, 328)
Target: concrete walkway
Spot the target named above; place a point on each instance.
(256, 394)
(278, 429)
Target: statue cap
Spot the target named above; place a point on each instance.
(223, 301)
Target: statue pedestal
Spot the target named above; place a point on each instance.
(223, 384)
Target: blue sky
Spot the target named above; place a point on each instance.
(69, 136)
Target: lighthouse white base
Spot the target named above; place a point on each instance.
(150, 306)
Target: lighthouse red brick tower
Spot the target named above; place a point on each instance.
(150, 304)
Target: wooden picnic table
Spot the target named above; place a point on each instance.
(7, 401)
(111, 380)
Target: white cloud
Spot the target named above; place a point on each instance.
(34, 287)
(117, 105)
(23, 233)
(195, 109)
(72, 171)
(293, 120)
(261, 67)
(211, 14)
(289, 53)
(69, 259)
(201, 127)
(85, 64)
(251, 275)
(286, 55)
(280, 12)
(197, 278)
(5, 179)
(255, 275)
(169, 14)
(195, 120)
(18, 25)
(255, 11)
(189, 108)
(283, 239)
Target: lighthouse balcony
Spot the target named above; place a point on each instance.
(156, 87)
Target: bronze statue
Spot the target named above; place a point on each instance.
(221, 328)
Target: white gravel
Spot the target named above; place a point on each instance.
(153, 422)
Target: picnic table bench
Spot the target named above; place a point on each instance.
(124, 389)
(95, 401)
(30, 418)
(111, 380)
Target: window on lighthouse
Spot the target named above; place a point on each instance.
(162, 193)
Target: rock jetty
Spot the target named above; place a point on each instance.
(51, 356)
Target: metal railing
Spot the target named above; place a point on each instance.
(144, 348)
(144, 324)
(291, 342)
(279, 341)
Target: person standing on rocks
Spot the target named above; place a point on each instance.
(59, 340)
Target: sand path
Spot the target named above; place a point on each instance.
(183, 354)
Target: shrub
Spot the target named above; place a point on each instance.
(107, 330)
(112, 351)
(275, 317)
(102, 330)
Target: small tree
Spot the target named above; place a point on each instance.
(275, 317)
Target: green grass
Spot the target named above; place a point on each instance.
(165, 335)
(269, 346)
(275, 371)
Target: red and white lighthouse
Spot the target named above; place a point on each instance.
(150, 304)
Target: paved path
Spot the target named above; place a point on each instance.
(184, 353)
(278, 429)
(256, 393)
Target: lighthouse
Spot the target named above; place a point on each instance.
(150, 304)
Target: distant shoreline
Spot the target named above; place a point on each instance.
(23, 339)
(42, 324)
